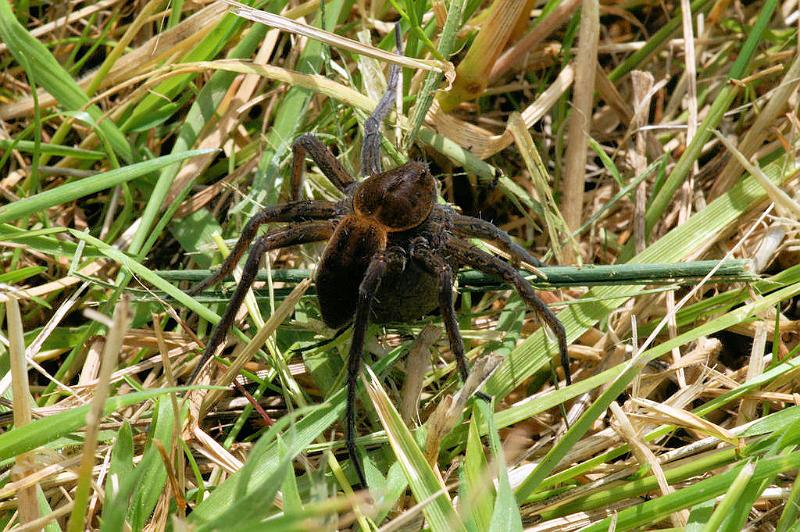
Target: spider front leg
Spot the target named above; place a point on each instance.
(378, 265)
(475, 227)
(296, 211)
(371, 149)
(491, 265)
(280, 238)
(321, 155)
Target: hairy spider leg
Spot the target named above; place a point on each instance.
(475, 227)
(371, 148)
(321, 343)
(381, 261)
(280, 238)
(327, 162)
(296, 211)
(436, 266)
(491, 265)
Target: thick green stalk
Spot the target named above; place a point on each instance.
(558, 276)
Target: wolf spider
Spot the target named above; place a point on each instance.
(391, 254)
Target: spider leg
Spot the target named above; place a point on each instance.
(371, 149)
(280, 238)
(475, 227)
(438, 267)
(490, 264)
(330, 166)
(380, 262)
(321, 343)
(295, 211)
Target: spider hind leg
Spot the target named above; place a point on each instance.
(491, 265)
(280, 238)
(296, 211)
(437, 266)
(477, 228)
(380, 263)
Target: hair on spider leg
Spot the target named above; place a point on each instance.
(371, 149)
(391, 255)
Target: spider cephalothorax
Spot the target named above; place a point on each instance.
(391, 255)
(399, 199)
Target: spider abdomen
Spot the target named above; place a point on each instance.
(343, 266)
(405, 296)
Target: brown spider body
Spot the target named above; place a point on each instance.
(390, 210)
(410, 294)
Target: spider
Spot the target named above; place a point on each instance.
(391, 253)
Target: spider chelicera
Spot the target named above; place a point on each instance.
(391, 254)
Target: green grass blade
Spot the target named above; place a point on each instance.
(148, 275)
(292, 502)
(118, 482)
(715, 114)
(261, 465)
(162, 94)
(773, 423)
(288, 119)
(656, 41)
(661, 507)
(455, 11)
(789, 517)
(40, 240)
(202, 111)
(699, 516)
(47, 429)
(423, 481)
(506, 515)
(52, 149)
(88, 185)
(728, 506)
(21, 274)
(628, 373)
(476, 498)
(154, 474)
